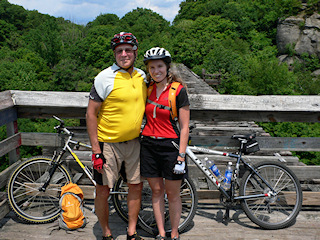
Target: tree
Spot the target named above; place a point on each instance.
(95, 47)
(13, 14)
(143, 23)
(194, 39)
(104, 19)
(68, 75)
(6, 29)
(46, 41)
(23, 70)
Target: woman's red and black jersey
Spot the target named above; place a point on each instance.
(159, 122)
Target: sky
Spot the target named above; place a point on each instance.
(84, 11)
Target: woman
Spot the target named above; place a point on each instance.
(162, 164)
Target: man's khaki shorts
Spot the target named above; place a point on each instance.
(115, 154)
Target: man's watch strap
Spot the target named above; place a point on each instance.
(183, 155)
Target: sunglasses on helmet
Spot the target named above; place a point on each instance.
(125, 38)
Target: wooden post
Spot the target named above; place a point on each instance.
(12, 129)
(8, 117)
(203, 74)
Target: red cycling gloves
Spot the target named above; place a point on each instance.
(98, 160)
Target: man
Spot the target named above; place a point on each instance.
(114, 116)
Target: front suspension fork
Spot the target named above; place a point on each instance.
(52, 170)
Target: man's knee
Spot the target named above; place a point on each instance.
(102, 191)
(135, 188)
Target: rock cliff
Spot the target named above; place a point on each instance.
(299, 34)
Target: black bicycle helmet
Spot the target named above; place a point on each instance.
(157, 53)
(122, 38)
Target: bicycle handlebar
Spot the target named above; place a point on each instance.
(61, 128)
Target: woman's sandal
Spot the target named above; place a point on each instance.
(108, 237)
(159, 237)
(134, 236)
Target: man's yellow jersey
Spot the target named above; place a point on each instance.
(124, 98)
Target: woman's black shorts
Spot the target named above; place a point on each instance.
(158, 157)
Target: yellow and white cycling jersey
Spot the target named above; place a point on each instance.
(124, 98)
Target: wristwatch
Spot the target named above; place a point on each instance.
(183, 155)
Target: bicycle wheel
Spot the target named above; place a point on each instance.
(277, 210)
(147, 222)
(26, 200)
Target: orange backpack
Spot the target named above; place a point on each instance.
(71, 205)
(171, 100)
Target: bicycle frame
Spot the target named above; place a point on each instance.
(210, 176)
(189, 151)
(84, 168)
(67, 148)
(57, 159)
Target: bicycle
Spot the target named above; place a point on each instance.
(34, 188)
(269, 192)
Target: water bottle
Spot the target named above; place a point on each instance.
(228, 175)
(210, 164)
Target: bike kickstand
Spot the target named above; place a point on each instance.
(226, 216)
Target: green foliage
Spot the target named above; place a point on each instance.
(5, 32)
(195, 39)
(309, 63)
(22, 70)
(24, 77)
(46, 41)
(104, 19)
(262, 15)
(43, 125)
(307, 83)
(68, 75)
(143, 23)
(287, 129)
(312, 6)
(13, 14)
(266, 77)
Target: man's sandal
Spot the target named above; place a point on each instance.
(134, 236)
(108, 237)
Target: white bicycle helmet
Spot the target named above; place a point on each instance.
(157, 53)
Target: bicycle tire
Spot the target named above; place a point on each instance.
(147, 222)
(26, 200)
(273, 212)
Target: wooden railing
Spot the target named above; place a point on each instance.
(204, 108)
(212, 79)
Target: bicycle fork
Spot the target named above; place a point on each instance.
(55, 164)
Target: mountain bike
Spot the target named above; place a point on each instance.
(34, 188)
(269, 192)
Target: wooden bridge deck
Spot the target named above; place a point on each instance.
(207, 225)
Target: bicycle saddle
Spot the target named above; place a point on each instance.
(244, 136)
